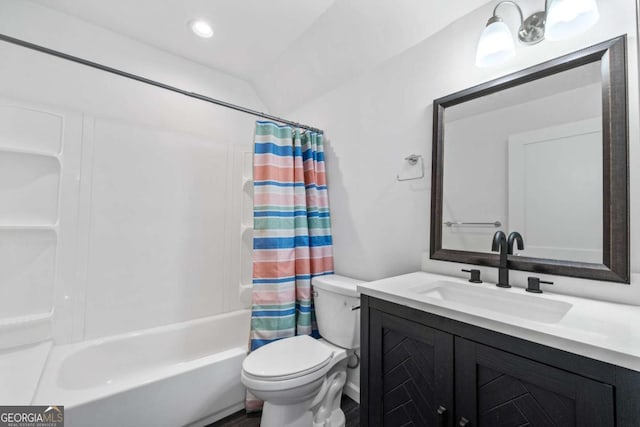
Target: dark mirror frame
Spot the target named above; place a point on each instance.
(615, 266)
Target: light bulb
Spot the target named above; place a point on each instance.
(567, 18)
(495, 45)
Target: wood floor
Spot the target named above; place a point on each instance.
(241, 419)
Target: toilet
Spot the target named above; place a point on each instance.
(300, 379)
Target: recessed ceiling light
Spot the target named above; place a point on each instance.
(201, 28)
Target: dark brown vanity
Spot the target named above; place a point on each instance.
(421, 369)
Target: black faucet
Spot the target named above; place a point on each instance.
(499, 244)
(514, 237)
(505, 247)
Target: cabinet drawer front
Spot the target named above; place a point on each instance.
(495, 388)
(413, 367)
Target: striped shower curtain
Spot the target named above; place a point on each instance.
(292, 231)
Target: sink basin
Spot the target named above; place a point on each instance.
(530, 307)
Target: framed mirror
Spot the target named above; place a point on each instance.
(544, 152)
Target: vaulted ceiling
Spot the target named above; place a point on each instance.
(291, 51)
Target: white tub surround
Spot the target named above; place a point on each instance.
(174, 375)
(600, 330)
(20, 370)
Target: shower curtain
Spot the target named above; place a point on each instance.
(292, 233)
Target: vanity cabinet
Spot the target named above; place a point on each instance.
(495, 388)
(421, 369)
(412, 368)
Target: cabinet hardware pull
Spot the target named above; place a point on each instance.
(442, 415)
(463, 422)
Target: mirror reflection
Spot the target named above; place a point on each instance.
(539, 148)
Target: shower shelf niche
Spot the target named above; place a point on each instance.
(25, 126)
(29, 189)
(247, 235)
(246, 229)
(34, 227)
(18, 331)
(32, 157)
(27, 152)
(27, 319)
(30, 176)
(27, 268)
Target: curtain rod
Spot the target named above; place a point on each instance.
(141, 79)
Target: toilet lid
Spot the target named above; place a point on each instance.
(288, 358)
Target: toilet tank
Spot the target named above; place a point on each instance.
(334, 299)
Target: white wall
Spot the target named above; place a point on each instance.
(380, 226)
(141, 188)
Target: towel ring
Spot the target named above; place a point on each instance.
(412, 159)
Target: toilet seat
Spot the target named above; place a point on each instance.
(288, 358)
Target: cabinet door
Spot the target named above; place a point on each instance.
(498, 389)
(410, 373)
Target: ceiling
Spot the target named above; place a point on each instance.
(291, 51)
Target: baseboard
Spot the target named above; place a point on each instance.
(353, 391)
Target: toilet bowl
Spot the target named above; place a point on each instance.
(300, 379)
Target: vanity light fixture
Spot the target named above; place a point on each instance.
(560, 19)
(201, 28)
(567, 18)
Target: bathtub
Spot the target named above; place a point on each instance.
(176, 375)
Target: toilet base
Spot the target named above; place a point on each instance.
(337, 419)
(321, 409)
(291, 415)
(297, 416)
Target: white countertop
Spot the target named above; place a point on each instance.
(600, 330)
